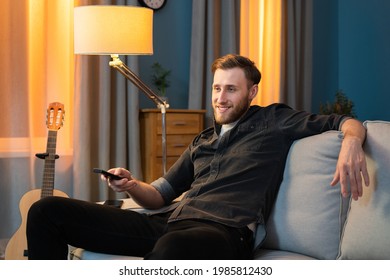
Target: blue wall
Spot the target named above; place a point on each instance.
(325, 52)
(352, 53)
(172, 46)
(364, 55)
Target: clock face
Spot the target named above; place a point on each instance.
(153, 4)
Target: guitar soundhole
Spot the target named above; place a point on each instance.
(25, 253)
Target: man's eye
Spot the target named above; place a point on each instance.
(231, 89)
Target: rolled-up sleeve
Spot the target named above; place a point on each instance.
(165, 189)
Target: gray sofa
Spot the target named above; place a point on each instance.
(310, 219)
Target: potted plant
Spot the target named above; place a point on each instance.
(342, 106)
(160, 78)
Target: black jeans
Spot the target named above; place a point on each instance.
(55, 222)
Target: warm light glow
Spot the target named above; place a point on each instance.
(260, 40)
(113, 30)
(250, 30)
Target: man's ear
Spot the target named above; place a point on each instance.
(253, 91)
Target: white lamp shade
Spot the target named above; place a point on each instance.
(113, 30)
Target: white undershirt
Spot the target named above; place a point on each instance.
(226, 127)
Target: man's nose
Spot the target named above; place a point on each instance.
(222, 96)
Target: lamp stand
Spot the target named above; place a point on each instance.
(162, 104)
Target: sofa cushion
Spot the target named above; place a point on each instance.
(308, 214)
(367, 229)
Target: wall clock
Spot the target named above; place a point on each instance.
(153, 4)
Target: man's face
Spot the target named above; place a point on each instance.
(231, 97)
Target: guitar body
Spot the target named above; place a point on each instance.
(17, 245)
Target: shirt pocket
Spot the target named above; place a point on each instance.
(249, 138)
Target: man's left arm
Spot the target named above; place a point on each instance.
(351, 165)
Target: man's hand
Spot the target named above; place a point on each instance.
(123, 185)
(351, 169)
(142, 193)
(351, 166)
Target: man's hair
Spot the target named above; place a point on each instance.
(230, 61)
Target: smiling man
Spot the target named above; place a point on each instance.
(231, 174)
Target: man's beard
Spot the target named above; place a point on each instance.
(236, 113)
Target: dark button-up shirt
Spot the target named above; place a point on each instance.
(236, 181)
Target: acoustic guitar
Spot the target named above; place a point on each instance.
(17, 246)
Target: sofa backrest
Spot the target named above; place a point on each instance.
(309, 214)
(311, 218)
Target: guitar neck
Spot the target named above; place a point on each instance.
(49, 169)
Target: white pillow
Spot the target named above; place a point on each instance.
(308, 214)
(367, 229)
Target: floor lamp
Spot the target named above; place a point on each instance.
(114, 31)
